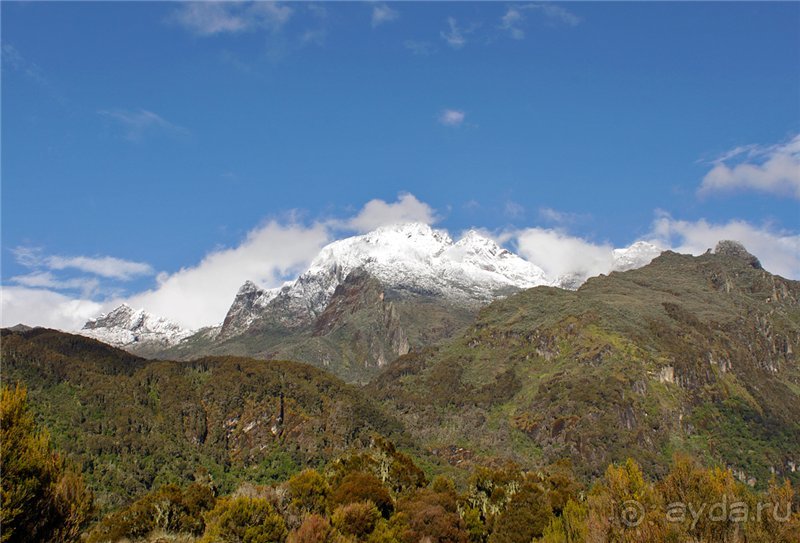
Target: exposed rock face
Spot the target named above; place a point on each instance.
(248, 303)
(736, 250)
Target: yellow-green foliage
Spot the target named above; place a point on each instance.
(356, 519)
(308, 491)
(169, 509)
(244, 520)
(43, 499)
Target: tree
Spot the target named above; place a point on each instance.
(43, 498)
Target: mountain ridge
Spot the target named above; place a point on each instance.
(410, 259)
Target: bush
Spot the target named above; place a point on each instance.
(433, 516)
(314, 529)
(308, 491)
(168, 509)
(356, 519)
(525, 517)
(41, 497)
(359, 487)
(244, 520)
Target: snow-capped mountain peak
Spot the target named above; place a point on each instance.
(125, 326)
(634, 256)
(410, 258)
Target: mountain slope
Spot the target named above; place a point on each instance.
(687, 353)
(419, 287)
(134, 423)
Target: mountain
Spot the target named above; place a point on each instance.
(408, 259)
(135, 330)
(634, 256)
(135, 424)
(694, 354)
(420, 288)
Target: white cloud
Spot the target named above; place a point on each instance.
(774, 169)
(197, 295)
(510, 21)
(201, 295)
(212, 18)
(513, 20)
(377, 213)
(452, 117)
(559, 253)
(46, 279)
(382, 13)
(104, 266)
(13, 59)
(38, 307)
(778, 251)
(454, 35)
(555, 13)
(550, 215)
(137, 123)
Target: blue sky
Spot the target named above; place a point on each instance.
(143, 140)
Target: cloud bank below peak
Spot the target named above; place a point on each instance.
(282, 248)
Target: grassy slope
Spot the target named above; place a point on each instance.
(549, 373)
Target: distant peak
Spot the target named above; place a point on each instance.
(735, 249)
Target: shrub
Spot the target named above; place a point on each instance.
(356, 519)
(308, 491)
(359, 487)
(244, 520)
(41, 497)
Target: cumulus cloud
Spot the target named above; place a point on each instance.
(41, 307)
(774, 169)
(559, 253)
(193, 296)
(778, 251)
(452, 117)
(137, 123)
(200, 295)
(382, 13)
(378, 212)
(454, 35)
(212, 18)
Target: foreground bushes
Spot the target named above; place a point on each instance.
(42, 498)
(380, 496)
(499, 505)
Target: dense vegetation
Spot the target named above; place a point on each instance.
(42, 497)
(132, 424)
(556, 416)
(380, 496)
(689, 354)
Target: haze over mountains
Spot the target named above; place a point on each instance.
(426, 286)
